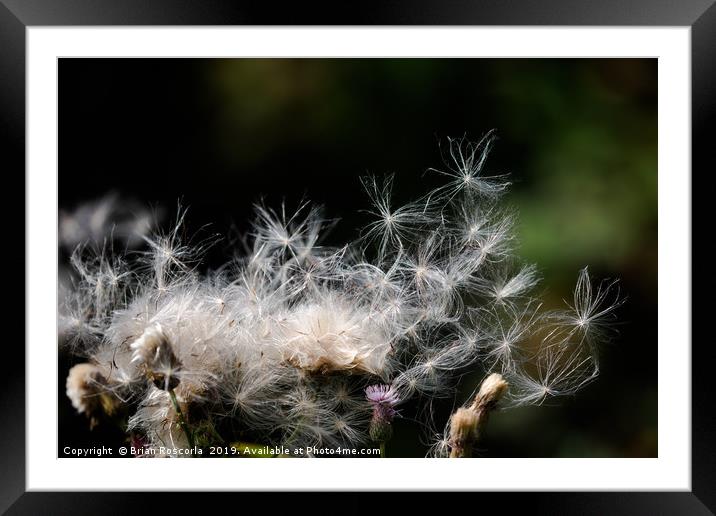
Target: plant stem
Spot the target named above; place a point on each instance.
(382, 450)
(182, 420)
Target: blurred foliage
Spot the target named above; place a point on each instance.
(577, 136)
(586, 131)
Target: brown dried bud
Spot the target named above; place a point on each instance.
(87, 390)
(466, 422)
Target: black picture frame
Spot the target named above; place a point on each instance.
(699, 15)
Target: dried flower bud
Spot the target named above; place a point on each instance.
(86, 389)
(466, 422)
(154, 352)
(463, 426)
(491, 390)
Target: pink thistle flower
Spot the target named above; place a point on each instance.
(383, 398)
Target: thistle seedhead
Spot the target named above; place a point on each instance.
(333, 335)
(153, 352)
(279, 344)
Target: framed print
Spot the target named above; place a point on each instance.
(438, 249)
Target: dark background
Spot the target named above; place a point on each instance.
(579, 138)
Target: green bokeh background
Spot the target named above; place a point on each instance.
(577, 136)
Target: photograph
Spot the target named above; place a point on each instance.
(357, 258)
